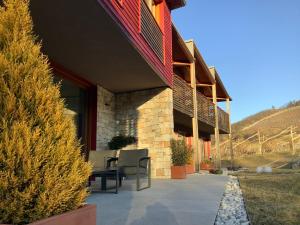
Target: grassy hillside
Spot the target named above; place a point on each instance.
(269, 159)
(261, 127)
(269, 122)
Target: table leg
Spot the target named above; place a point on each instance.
(103, 183)
(117, 179)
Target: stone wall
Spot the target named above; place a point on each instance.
(105, 117)
(148, 115)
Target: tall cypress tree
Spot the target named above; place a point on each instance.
(41, 170)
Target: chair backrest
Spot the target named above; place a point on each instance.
(99, 158)
(131, 157)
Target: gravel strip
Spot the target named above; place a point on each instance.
(232, 208)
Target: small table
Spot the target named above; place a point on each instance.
(109, 173)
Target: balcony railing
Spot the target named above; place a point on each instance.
(182, 96)
(223, 120)
(151, 31)
(205, 110)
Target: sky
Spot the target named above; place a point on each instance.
(254, 44)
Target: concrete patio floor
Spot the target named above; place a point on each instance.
(194, 201)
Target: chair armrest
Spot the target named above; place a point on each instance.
(143, 159)
(110, 160)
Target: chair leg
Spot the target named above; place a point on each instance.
(120, 181)
(138, 182)
(149, 174)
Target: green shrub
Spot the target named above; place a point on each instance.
(42, 172)
(119, 142)
(217, 172)
(207, 161)
(181, 152)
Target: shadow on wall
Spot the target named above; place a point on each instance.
(132, 109)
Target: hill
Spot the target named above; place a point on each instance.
(269, 122)
(269, 131)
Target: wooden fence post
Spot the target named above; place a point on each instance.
(292, 142)
(259, 143)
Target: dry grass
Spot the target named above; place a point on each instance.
(272, 199)
(253, 161)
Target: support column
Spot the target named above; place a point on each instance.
(228, 110)
(217, 134)
(195, 117)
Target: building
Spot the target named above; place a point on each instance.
(115, 62)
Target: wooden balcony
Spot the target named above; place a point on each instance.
(182, 96)
(205, 110)
(183, 102)
(223, 120)
(151, 31)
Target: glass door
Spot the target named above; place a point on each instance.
(76, 104)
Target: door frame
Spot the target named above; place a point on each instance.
(91, 91)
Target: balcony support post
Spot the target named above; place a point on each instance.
(197, 154)
(217, 134)
(228, 110)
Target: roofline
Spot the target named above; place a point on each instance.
(179, 3)
(197, 55)
(183, 45)
(219, 80)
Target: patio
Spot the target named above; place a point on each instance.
(194, 201)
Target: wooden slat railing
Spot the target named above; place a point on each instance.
(151, 31)
(182, 96)
(205, 110)
(223, 120)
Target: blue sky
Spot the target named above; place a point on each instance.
(254, 44)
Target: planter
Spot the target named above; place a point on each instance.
(190, 168)
(85, 215)
(206, 166)
(178, 172)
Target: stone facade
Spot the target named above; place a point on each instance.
(147, 115)
(105, 117)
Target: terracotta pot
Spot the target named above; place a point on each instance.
(190, 168)
(206, 166)
(85, 215)
(178, 172)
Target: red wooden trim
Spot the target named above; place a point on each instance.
(92, 95)
(128, 19)
(139, 16)
(69, 75)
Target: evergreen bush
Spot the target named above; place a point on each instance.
(42, 172)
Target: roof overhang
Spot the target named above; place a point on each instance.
(203, 75)
(181, 53)
(175, 4)
(222, 93)
(88, 41)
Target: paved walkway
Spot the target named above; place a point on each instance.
(194, 201)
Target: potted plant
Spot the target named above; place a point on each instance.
(216, 171)
(179, 159)
(207, 165)
(121, 141)
(190, 166)
(43, 174)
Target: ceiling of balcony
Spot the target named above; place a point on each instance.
(183, 124)
(81, 36)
